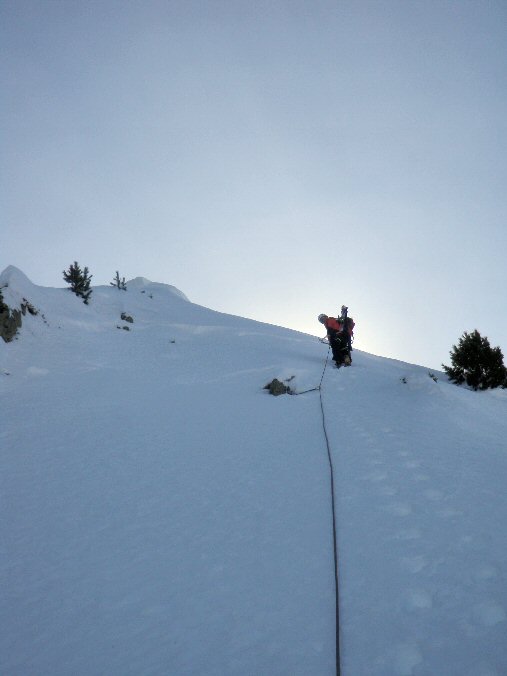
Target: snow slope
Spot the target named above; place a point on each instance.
(162, 514)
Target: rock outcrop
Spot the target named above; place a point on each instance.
(10, 318)
(10, 321)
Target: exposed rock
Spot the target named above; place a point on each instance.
(276, 388)
(127, 318)
(26, 306)
(10, 322)
(10, 318)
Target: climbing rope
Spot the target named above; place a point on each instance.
(315, 389)
(333, 509)
(325, 366)
(335, 539)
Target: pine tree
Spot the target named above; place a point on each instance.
(475, 362)
(119, 283)
(79, 281)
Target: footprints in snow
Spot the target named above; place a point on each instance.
(486, 572)
(399, 509)
(489, 614)
(401, 488)
(414, 564)
(417, 599)
(379, 476)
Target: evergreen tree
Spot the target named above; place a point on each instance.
(119, 283)
(475, 362)
(79, 281)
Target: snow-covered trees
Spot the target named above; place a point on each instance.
(475, 362)
(79, 281)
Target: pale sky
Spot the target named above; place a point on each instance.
(270, 159)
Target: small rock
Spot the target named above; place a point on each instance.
(276, 388)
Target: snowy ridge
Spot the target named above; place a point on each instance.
(143, 284)
(15, 286)
(164, 515)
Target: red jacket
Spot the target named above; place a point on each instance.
(335, 325)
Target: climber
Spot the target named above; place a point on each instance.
(339, 333)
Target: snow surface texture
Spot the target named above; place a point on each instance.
(162, 514)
